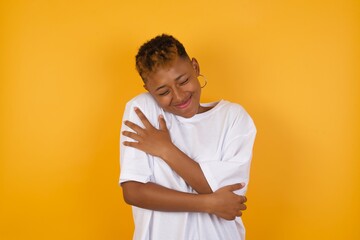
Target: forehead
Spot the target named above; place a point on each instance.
(171, 71)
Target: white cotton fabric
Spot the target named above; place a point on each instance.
(220, 140)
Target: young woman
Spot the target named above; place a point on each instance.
(184, 165)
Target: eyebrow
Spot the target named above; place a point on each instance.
(176, 79)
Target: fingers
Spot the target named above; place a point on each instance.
(130, 144)
(238, 213)
(145, 121)
(143, 118)
(236, 186)
(243, 200)
(133, 126)
(162, 123)
(132, 135)
(243, 207)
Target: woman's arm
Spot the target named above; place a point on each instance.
(203, 177)
(223, 202)
(157, 142)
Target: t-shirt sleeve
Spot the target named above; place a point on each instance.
(234, 166)
(136, 165)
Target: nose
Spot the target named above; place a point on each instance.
(178, 95)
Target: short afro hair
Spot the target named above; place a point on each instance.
(158, 52)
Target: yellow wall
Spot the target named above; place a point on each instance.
(67, 69)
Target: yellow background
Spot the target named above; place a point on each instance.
(67, 69)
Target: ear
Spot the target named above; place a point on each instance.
(196, 66)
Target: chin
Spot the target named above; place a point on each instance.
(188, 115)
(185, 114)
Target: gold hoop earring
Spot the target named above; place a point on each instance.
(205, 80)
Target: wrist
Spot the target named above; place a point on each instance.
(208, 203)
(168, 152)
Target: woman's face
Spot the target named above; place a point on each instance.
(176, 87)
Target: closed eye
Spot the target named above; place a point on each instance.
(164, 93)
(184, 82)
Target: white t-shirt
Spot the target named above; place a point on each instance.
(220, 140)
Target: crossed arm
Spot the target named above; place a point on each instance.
(157, 142)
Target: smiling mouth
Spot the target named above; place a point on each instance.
(184, 104)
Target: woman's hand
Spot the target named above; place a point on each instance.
(224, 203)
(156, 142)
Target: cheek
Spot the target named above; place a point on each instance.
(196, 87)
(196, 84)
(163, 101)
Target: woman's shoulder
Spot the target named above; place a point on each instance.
(238, 113)
(142, 99)
(232, 107)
